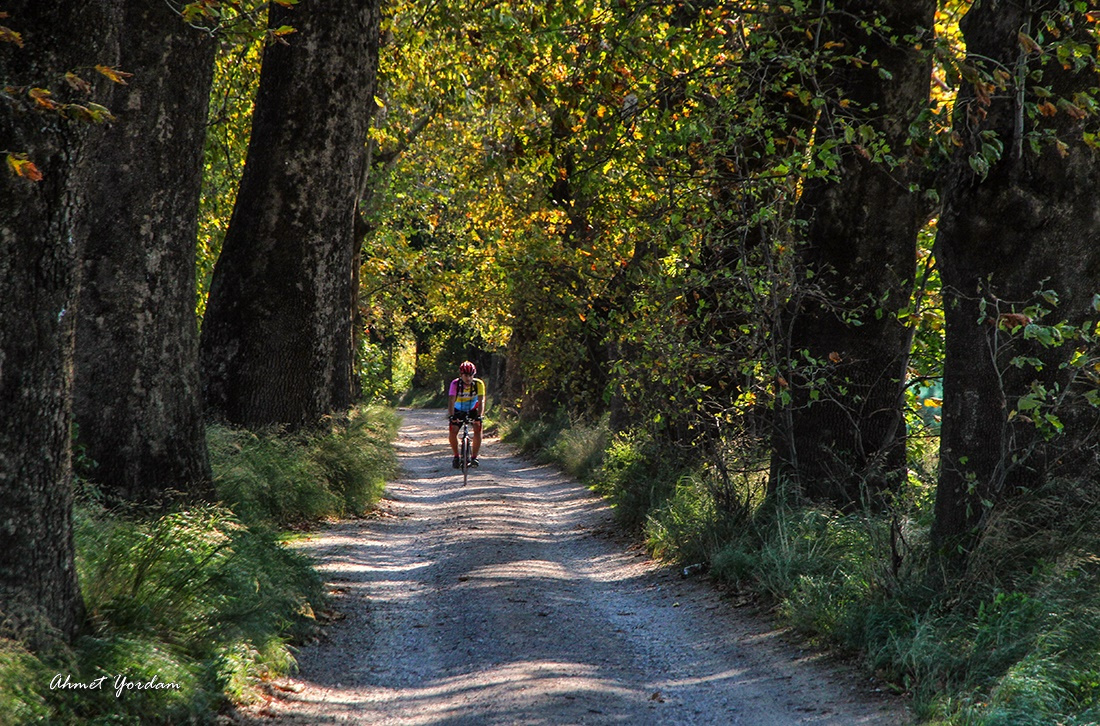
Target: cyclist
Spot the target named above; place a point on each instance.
(467, 399)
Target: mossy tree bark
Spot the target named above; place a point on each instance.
(1029, 223)
(137, 400)
(39, 593)
(841, 440)
(277, 344)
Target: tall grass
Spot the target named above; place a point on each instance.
(207, 600)
(1018, 643)
(338, 470)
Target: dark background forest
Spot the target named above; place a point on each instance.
(809, 290)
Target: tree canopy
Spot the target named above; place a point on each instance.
(841, 250)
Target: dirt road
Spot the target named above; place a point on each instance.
(512, 600)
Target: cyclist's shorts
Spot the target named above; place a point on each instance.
(460, 416)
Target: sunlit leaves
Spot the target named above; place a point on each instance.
(240, 19)
(7, 35)
(23, 167)
(236, 78)
(42, 99)
(281, 31)
(113, 74)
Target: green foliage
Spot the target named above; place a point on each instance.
(1017, 642)
(609, 192)
(242, 32)
(206, 600)
(629, 470)
(338, 470)
(534, 437)
(236, 79)
(356, 456)
(136, 659)
(579, 449)
(261, 476)
(689, 526)
(637, 476)
(193, 602)
(21, 676)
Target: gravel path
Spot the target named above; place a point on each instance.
(512, 600)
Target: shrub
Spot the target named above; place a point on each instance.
(193, 597)
(264, 477)
(356, 457)
(1016, 641)
(579, 449)
(21, 679)
(534, 438)
(636, 477)
(688, 527)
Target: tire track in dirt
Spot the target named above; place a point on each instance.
(512, 600)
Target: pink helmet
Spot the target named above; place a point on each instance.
(467, 367)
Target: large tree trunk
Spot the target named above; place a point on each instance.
(136, 397)
(1030, 224)
(277, 344)
(842, 438)
(38, 282)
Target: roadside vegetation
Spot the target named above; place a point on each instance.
(1015, 642)
(201, 602)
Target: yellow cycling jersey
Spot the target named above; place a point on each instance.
(467, 395)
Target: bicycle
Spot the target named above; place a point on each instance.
(465, 449)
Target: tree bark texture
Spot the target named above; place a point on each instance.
(137, 398)
(1030, 224)
(38, 283)
(849, 444)
(277, 344)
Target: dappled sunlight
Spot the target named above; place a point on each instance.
(515, 571)
(347, 569)
(508, 601)
(528, 687)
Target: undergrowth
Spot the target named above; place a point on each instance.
(1014, 642)
(338, 470)
(629, 470)
(202, 603)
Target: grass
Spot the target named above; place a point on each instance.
(208, 600)
(338, 470)
(1015, 642)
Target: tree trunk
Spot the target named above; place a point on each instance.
(38, 283)
(1030, 224)
(136, 395)
(842, 438)
(277, 345)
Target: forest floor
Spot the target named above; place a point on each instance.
(515, 600)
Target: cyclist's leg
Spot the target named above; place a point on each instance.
(477, 438)
(454, 438)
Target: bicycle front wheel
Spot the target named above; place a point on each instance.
(465, 459)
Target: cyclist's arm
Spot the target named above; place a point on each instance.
(452, 391)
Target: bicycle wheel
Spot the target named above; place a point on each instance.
(465, 456)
